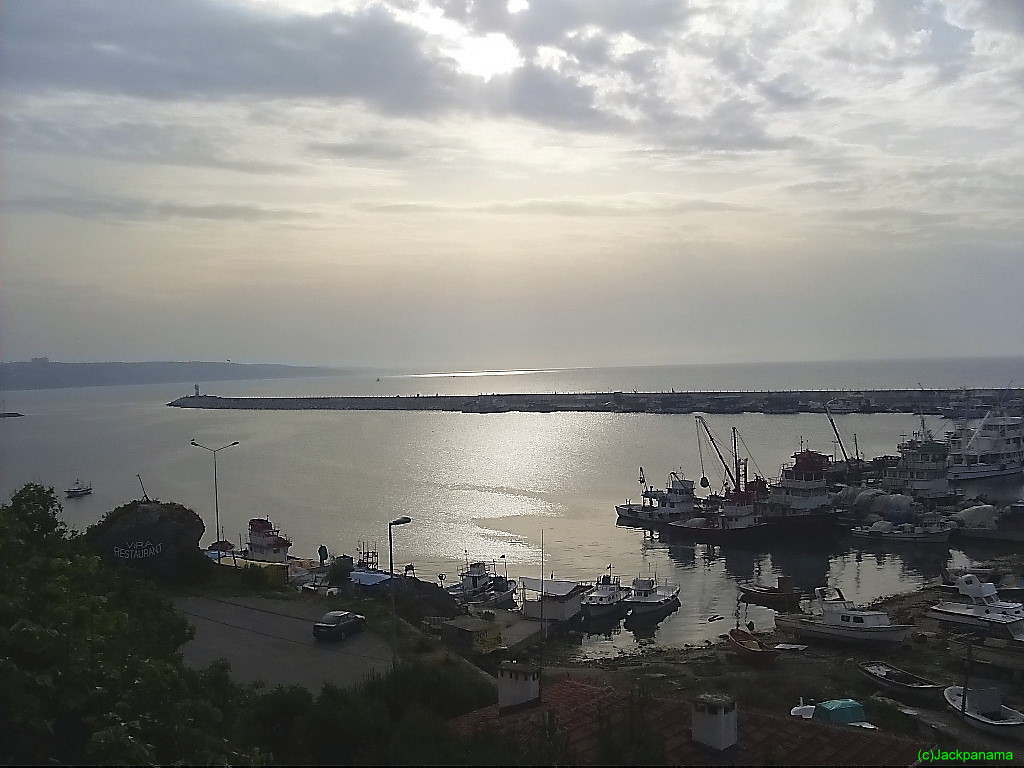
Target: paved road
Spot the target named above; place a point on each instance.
(272, 641)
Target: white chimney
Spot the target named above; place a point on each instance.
(518, 686)
(713, 722)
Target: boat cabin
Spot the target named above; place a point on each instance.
(836, 609)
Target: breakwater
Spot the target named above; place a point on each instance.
(933, 401)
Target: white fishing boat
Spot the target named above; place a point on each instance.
(922, 469)
(983, 610)
(990, 447)
(649, 597)
(838, 619)
(606, 599)
(660, 505)
(78, 489)
(984, 710)
(883, 530)
(479, 586)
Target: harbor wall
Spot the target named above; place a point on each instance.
(933, 401)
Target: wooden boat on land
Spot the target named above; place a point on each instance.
(899, 681)
(984, 710)
(783, 597)
(997, 651)
(749, 648)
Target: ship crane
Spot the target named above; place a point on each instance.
(839, 439)
(733, 477)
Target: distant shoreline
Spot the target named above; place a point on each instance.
(806, 401)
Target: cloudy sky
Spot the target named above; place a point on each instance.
(459, 184)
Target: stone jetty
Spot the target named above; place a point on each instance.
(932, 401)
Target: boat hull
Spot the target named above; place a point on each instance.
(994, 625)
(900, 682)
(770, 597)
(809, 627)
(750, 649)
(1008, 723)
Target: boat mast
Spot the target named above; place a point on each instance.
(734, 479)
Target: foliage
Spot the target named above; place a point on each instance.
(89, 664)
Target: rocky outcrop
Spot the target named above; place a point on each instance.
(158, 538)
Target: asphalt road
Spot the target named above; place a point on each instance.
(272, 641)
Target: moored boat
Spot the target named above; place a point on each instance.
(78, 489)
(648, 597)
(658, 506)
(984, 710)
(606, 599)
(991, 447)
(883, 530)
(984, 610)
(749, 648)
(838, 619)
(899, 681)
(783, 597)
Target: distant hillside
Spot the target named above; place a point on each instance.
(41, 373)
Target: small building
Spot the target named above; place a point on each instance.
(555, 600)
(471, 634)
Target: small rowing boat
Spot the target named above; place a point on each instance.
(899, 681)
(749, 648)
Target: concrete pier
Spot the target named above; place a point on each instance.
(930, 401)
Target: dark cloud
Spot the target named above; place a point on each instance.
(191, 49)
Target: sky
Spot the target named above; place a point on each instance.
(459, 185)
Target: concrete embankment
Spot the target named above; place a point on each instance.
(809, 401)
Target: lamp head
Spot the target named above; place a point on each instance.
(401, 520)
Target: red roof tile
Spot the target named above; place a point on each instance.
(581, 710)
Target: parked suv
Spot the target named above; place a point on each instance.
(337, 625)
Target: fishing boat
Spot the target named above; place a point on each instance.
(500, 592)
(78, 489)
(799, 499)
(899, 681)
(922, 468)
(883, 530)
(783, 597)
(606, 599)
(266, 542)
(984, 710)
(660, 505)
(474, 580)
(749, 648)
(649, 598)
(838, 619)
(733, 515)
(991, 447)
(984, 610)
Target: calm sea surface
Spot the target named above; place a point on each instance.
(484, 485)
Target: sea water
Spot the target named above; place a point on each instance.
(538, 488)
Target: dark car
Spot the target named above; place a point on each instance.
(337, 625)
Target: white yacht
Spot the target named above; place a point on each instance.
(983, 611)
(838, 619)
(989, 447)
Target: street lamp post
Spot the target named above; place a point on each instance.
(216, 495)
(404, 519)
